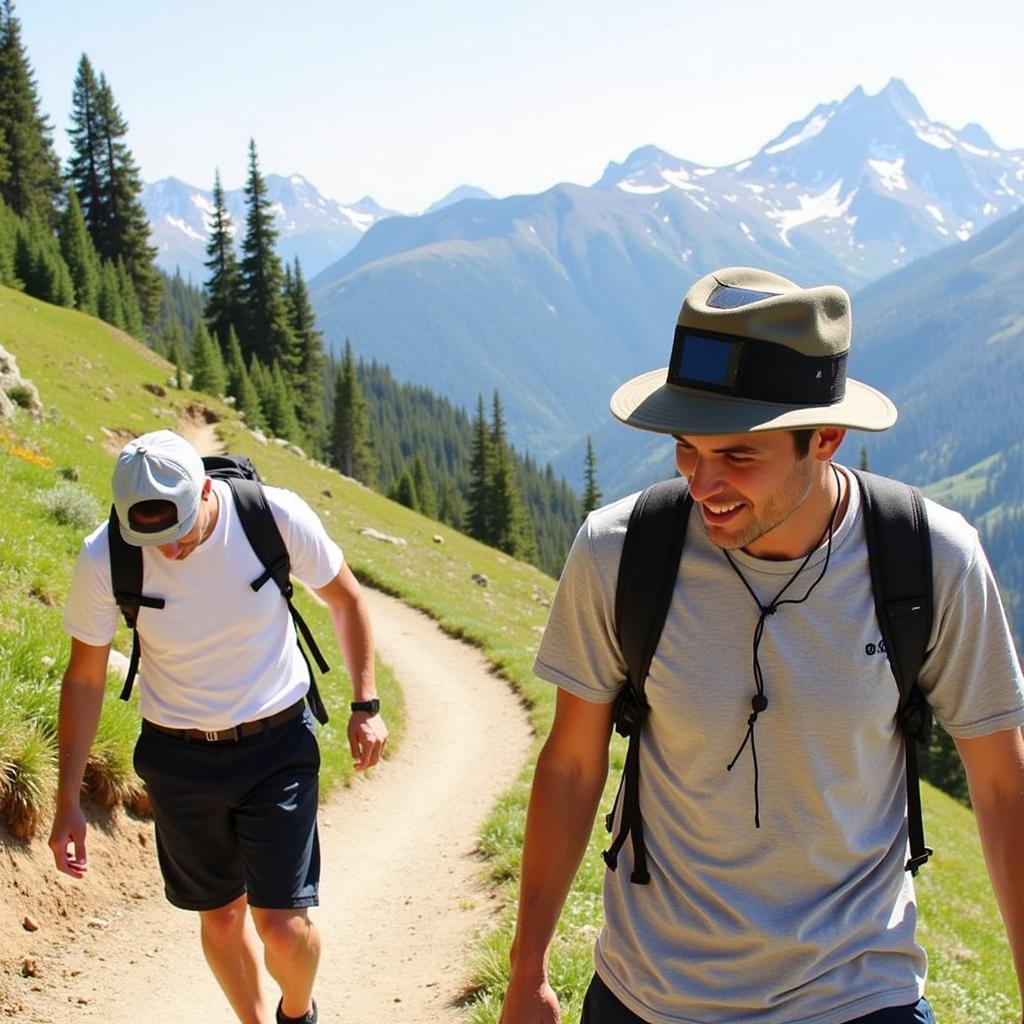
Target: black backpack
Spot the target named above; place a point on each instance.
(263, 535)
(899, 553)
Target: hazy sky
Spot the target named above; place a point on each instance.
(405, 101)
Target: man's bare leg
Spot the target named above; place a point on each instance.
(232, 951)
(291, 946)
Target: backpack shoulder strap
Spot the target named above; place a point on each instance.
(265, 539)
(126, 584)
(900, 556)
(648, 568)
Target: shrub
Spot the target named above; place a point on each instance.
(71, 505)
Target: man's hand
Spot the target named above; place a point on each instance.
(367, 735)
(530, 1002)
(67, 841)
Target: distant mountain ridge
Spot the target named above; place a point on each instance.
(555, 298)
(315, 229)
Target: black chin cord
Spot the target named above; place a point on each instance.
(759, 702)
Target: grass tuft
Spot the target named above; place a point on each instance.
(28, 798)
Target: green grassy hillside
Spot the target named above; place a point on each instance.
(97, 385)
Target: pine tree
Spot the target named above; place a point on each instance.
(127, 230)
(478, 503)
(351, 446)
(240, 385)
(426, 497)
(29, 170)
(591, 492)
(223, 310)
(308, 378)
(38, 262)
(85, 165)
(863, 462)
(265, 331)
(8, 240)
(404, 491)
(280, 407)
(80, 255)
(511, 529)
(206, 363)
(451, 505)
(129, 301)
(110, 301)
(109, 186)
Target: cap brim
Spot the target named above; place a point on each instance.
(648, 403)
(148, 540)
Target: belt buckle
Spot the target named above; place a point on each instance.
(211, 736)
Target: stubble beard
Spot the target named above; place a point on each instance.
(771, 513)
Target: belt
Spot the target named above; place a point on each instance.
(236, 732)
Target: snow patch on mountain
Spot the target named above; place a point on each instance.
(826, 205)
(815, 126)
(890, 173)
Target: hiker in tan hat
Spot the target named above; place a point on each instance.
(773, 666)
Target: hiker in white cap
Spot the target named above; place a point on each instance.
(764, 841)
(227, 748)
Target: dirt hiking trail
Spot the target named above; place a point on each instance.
(401, 894)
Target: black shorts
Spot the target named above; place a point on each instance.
(601, 1007)
(234, 818)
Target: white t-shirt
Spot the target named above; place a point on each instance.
(218, 653)
(811, 917)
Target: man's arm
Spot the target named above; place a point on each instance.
(995, 775)
(567, 786)
(78, 717)
(367, 733)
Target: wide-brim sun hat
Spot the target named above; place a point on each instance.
(754, 351)
(158, 466)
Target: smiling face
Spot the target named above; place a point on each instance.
(756, 492)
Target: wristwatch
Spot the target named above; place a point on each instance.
(373, 705)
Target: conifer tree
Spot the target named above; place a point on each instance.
(265, 331)
(206, 363)
(38, 262)
(426, 497)
(451, 506)
(110, 301)
(351, 446)
(511, 529)
(129, 301)
(128, 227)
(178, 359)
(85, 165)
(240, 384)
(279, 407)
(591, 492)
(80, 255)
(8, 240)
(404, 491)
(222, 311)
(109, 186)
(478, 503)
(29, 168)
(308, 377)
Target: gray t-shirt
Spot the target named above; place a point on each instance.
(810, 918)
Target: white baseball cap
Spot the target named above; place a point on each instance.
(159, 466)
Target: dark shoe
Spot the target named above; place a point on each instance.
(309, 1018)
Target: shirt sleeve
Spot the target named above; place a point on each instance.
(580, 651)
(315, 558)
(972, 675)
(91, 614)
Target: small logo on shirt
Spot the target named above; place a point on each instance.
(878, 648)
